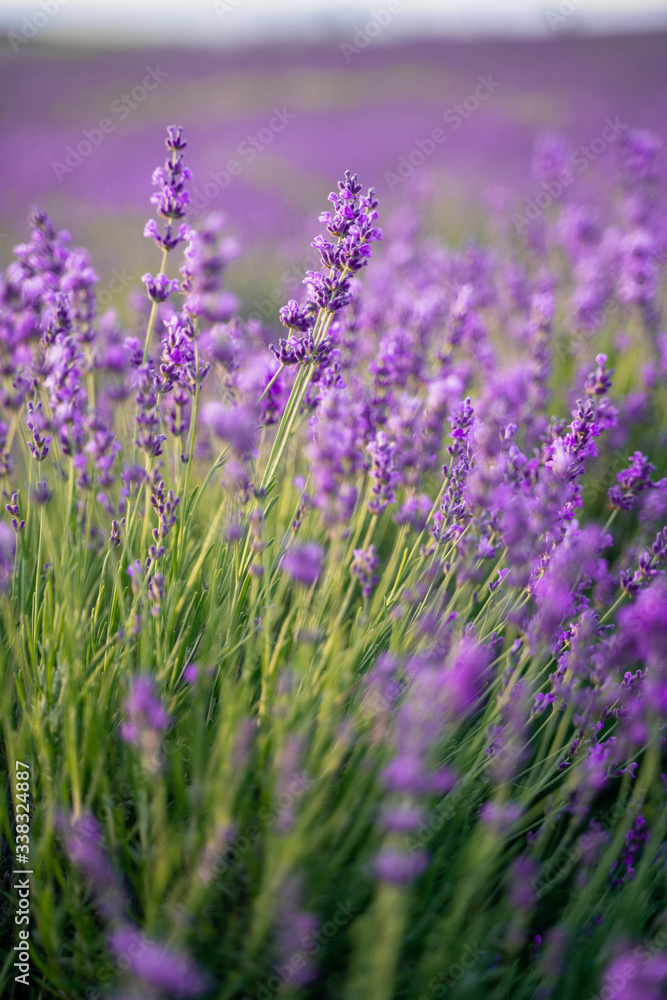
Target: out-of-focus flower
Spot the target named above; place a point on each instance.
(637, 974)
(364, 564)
(7, 550)
(159, 967)
(146, 722)
(85, 845)
(304, 563)
(392, 865)
(238, 425)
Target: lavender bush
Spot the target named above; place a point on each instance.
(338, 658)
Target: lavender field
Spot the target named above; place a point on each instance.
(367, 110)
(333, 611)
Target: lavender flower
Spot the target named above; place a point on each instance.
(85, 845)
(638, 835)
(304, 563)
(171, 199)
(639, 151)
(160, 287)
(364, 564)
(156, 965)
(207, 255)
(164, 505)
(103, 448)
(36, 422)
(146, 722)
(393, 866)
(631, 482)
(599, 382)
(41, 493)
(179, 364)
(237, 425)
(294, 927)
(13, 508)
(649, 566)
(147, 419)
(114, 536)
(383, 473)
(336, 458)
(455, 512)
(296, 317)
(7, 550)
(640, 978)
(351, 224)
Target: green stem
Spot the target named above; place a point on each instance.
(153, 313)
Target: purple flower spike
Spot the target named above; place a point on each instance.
(650, 565)
(352, 227)
(158, 966)
(85, 845)
(500, 816)
(632, 481)
(41, 493)
(599, 381)
(36, 422)
(206, 258)
(18, 523)
(638, 835)
(234, 424)
(640, 978)
(392, 866)
(146, 722)
(304, 563)
(7, 549)
(144, 706)
(549, 157)
(383, 473)
(171, 199)
(147, 420)
(363, 566)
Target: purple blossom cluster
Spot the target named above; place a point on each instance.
(351, 225)
(146, 718)
(171, 199)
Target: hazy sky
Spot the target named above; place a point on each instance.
(230, 21)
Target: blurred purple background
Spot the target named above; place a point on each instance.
(367, 110)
